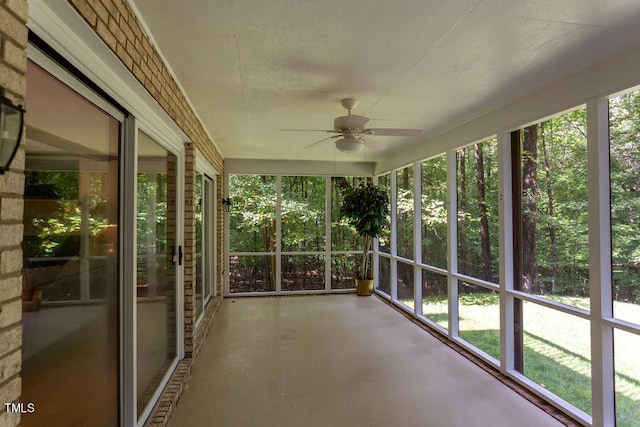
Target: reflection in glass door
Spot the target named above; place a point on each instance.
(69, 284)
(155, 269)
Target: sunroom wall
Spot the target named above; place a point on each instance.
(116, 25)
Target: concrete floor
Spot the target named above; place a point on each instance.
(338, 360)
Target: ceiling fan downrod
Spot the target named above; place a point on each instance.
(349, 104)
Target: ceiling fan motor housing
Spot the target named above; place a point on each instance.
(352, 122)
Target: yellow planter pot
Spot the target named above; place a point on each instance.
(364, 288)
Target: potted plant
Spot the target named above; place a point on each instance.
(366, 208)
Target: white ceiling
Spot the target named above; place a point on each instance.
(252, 67)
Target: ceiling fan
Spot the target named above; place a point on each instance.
(352, 131)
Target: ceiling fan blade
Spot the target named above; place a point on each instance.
(393, 132)
(321, 141)
(307, 130)
(373, 143)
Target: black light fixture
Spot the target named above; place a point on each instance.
(226, 203)
(11, 122)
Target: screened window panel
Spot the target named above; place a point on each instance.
(384, 242)
(252, 221)
(343, 269)
(478, 210)
(384, 275)
(302, 213)
(405, 283)
(435, 298)
(252, 273)
(559, 358)
(404, 212)
(627, 377)
(303, 272)
(434, 212)
(555, 234)
(479, 317)
(624, 158)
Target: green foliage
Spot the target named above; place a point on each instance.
(366, 208)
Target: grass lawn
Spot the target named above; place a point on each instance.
(556, 347)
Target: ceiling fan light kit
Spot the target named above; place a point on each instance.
(354, 133)
(348, 144)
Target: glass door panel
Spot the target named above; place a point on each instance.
(155, 271)
(70, 309)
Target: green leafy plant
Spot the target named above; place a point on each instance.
(366, 208)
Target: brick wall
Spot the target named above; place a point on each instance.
(189, 248)
(13, 68)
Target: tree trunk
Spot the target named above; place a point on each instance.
(484, 219)
(272, 249)
(529, 192)
(462, 199)
(462, 205)
(407, 241)
(552, 214)
(365, 263)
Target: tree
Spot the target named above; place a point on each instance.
(482, 208)
(366, 208)
(529, 213)
(550, 209)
